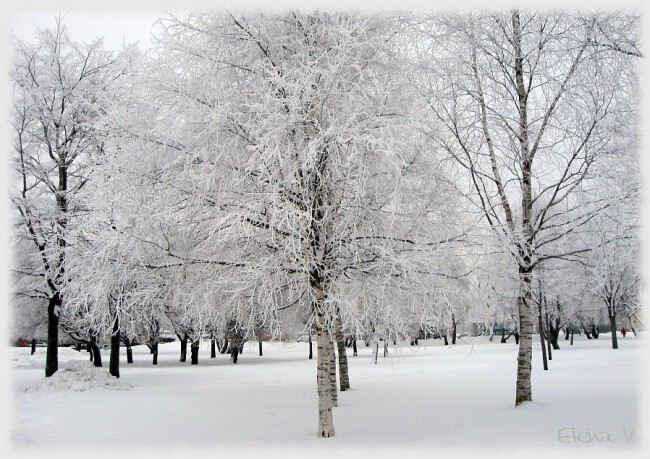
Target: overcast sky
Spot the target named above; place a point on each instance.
(115, 27)
(132, 20)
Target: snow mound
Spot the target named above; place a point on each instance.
(78, 376)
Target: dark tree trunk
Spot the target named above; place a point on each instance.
(555, 338)
(52, 355)
(594, 331)
(183, 357)
(571, 336)
(444, 337)
(224, 346)
(154, 351)
(566, 334)
(554, 332)
(234, 353)
(453, 328)
(540, 326)
(114, 360)
(213, 348)
(194, 352)
(129, 352)
(612, 323)
(90, 351)
(259, 345)
(516, 337)
(354, 347)
(311, 350)
(548, 338)
(385, 347)
(33, 346)
(97, 355)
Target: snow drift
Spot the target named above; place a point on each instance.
(78, 376)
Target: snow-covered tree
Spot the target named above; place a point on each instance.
(59, 89)
(526, 103)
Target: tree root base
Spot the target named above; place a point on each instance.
(326, 433)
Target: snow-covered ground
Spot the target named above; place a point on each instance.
(428, 396)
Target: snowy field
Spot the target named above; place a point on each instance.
(429, 396)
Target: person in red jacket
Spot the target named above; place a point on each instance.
(623, 332)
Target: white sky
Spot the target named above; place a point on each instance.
(132, 20)
(115, 27)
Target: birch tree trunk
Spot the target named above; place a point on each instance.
(524, 358)
(525, 354)
(343, 358)
(332, 374)
(325, 417)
